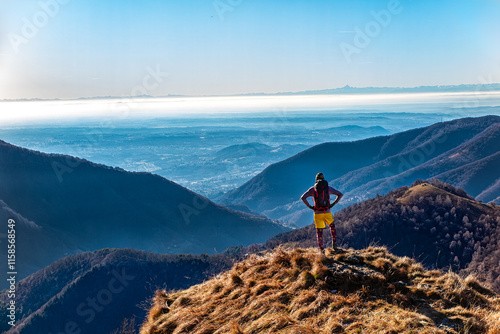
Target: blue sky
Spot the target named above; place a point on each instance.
(76, 48)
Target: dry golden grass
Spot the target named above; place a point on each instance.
(298, 291)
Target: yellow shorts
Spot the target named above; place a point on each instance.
(321, 218)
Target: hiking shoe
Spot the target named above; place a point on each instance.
(339, 250)
(336, 250)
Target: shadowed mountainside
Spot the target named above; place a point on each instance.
(28, 237)
(76, 205)
(93, 292)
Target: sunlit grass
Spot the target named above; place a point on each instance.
(298, 291)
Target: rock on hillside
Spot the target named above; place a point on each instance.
(298, 291)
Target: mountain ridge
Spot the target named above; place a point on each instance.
(378, 165)
(490, 87)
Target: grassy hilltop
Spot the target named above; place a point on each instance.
(357, 291)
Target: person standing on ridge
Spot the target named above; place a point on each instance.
(321, 192)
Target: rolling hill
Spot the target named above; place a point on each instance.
(256, 152)
(463, 152)
(70, 205)
(298, 291)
